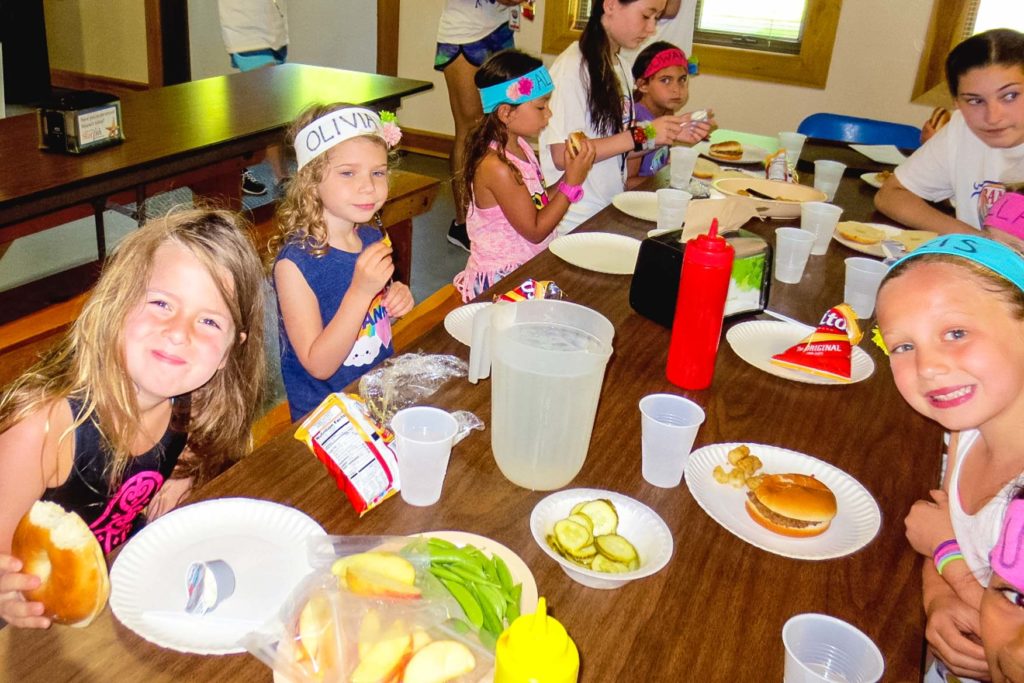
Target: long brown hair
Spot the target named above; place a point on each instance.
(604, 94)
(500, 67)
(88, 364)
(300, 216)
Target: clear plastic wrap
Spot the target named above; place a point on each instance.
(371, 611)
(407, 380)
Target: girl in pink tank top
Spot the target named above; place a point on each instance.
(512, 215)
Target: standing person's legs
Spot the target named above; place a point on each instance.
(464, 99)
(248, 61)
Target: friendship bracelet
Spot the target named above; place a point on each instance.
(941, 564)
(945, 544)
(643, 137)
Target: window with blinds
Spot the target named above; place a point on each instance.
(982, 15)
(776, 26)
(581, 15)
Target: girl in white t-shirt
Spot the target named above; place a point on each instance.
(972, 159)
(593, 93)
(952, 317)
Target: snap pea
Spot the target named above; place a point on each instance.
(482, 586)
(467, 601)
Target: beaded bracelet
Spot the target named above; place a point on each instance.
(643, 137)
(946, 552)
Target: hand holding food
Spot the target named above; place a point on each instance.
(59, 548)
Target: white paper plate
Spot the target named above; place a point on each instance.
(603, 252)
(873, 179)
(638, 523)
(891, 232)
(520, 572)
(856, 522)
(263, 542)
(752, 154)
(756, 341)
(642, 205)
(459, 322)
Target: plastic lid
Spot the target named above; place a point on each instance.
(710, 249)
(536, 648)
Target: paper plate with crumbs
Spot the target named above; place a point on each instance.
(855, 525)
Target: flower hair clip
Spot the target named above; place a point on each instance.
(389, 129)
(519, 89)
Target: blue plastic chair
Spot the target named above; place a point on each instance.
(854, 129)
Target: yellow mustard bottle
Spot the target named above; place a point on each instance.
(536, 649)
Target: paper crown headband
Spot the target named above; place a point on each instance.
(520, 89)
(672, 56)
(998, 258)
(1007, 557)
(341, 125)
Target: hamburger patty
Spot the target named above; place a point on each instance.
(776, 517)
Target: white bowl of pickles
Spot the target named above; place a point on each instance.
(601, 539)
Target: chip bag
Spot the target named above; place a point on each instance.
(825, 352)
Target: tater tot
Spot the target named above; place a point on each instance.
(720, 475)
(737, 454)
(754, 482)
(750, 464)
(737, 478)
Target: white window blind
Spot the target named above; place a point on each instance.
(775, 26)
(983, 15)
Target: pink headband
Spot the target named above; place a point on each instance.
(672, 56)
(1007, 557)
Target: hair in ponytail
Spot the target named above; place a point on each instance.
(604, 93)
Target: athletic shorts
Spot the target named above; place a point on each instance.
(255, 59)
(477, 52)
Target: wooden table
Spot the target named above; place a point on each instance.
(715, 613)
(175, 130)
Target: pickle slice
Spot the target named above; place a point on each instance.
(615, 548)
(584, 553)
(600, 563)
(572, 536)
(581, 518)
(602, 513)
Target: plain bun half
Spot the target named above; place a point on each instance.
(59, 548)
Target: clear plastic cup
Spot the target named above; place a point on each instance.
(672, 205)
(423, 443)
(793, 143)
(668, 427)
(863, 276)
(827, 176)
(821, 648)
(821, 219)
(682, 159)
(792, 249)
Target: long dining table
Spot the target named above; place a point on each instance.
(716, 611)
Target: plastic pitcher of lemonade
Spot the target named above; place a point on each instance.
(547, 359)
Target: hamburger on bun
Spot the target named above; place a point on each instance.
(576, 139)
(730, 150)
(792, 505)
(59, 548)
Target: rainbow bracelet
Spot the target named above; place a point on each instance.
(946, 552)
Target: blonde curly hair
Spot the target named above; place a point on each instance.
(300, 216)
(88, 364)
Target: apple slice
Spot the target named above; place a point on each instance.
(439, 661)
(364, 582)
(369, 632)
(385, 658)
(420, 639)
(390, 565)
(316, 634)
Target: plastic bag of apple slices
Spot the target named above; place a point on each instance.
(328, 633)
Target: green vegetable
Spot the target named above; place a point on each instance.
(747, 272)
(483, 586)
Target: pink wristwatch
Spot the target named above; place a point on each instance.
(573, 192)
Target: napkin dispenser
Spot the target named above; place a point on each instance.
(80, 121)
(655, 285)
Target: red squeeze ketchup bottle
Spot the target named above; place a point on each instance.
(700, 307)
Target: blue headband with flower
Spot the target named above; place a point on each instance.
(520, 89)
